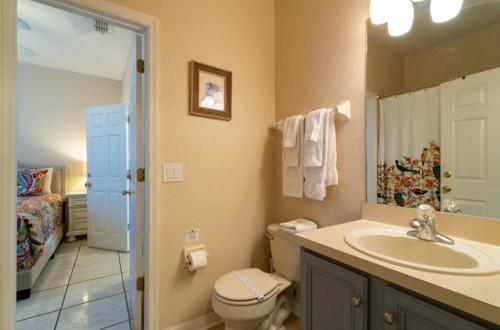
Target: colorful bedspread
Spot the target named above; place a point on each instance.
(37, 219)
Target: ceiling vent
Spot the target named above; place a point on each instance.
(101, 26)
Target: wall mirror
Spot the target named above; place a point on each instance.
(433, 111)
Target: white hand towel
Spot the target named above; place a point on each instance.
(292, 141)
(313, 138)
(316, 157)
(293, 174)
(290, 130)
(332, 175)
(298, 226)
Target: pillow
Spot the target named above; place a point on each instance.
(48, 179)
(30, 182)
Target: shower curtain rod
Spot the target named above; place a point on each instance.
(417, 89)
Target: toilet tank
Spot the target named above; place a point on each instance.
(285, 253)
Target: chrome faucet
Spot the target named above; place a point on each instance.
(424, 227)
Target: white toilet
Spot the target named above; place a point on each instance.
(252, 299)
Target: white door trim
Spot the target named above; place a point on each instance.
(110, 10)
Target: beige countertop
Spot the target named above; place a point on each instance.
(476, 295)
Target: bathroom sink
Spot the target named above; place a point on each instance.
(395, 246)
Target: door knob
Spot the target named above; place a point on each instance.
(88, 184)
(126, 192)
(356, 301)
(447, 174)
(389, 318)
(446, 189)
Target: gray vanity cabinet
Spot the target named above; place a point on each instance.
(337, 297)
(404, 312)
(332, 297)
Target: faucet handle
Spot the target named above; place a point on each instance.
(425, 212)
(415, 223)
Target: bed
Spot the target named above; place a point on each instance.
(40, 229)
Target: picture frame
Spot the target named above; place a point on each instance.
(210, 91)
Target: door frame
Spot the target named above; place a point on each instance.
(120, 15)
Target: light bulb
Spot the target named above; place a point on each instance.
(401, 17)
(444, 10)
(379, 11)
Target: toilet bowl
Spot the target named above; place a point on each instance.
(252, 299)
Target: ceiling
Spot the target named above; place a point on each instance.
(66, 41)
(475, 15)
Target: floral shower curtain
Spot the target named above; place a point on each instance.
(408, 170)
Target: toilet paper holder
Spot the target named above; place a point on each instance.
(190, 249)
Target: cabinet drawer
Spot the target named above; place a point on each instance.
(80, 213)
(80, 224)
(78, 202)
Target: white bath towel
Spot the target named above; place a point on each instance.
(292, 140)
(298, 225)
(313, 138)
(332, 175)
(293, 174)
(316, 154)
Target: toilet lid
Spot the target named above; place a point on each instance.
(245, 285)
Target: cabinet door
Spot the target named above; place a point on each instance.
(333, 298)
(404, 312)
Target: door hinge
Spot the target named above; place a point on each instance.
(129, 175)
(128, 118)
(140, 65)
(141, 175)
(139, 284)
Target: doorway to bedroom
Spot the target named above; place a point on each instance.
(79, 125)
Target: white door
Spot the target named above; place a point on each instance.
(107, 177)
(470, 141)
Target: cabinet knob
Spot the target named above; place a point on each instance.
(88, 184)
(446, 189)
(356, 301)
(389, 318)
(126, 192)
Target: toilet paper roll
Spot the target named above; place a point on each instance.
(197, 259)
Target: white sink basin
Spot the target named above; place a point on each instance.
(395, 246)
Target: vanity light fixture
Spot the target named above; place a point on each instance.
(399, 14)
(379, 11)
(400, 18)
(444, 10)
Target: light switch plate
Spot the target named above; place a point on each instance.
(172, 172)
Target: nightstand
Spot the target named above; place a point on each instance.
(76, 213)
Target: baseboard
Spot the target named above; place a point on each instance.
(296, 309)
(202, 323)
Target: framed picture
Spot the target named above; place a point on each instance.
(210, 92)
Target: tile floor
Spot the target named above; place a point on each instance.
(81, 288)
(292, 323)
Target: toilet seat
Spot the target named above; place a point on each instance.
(246, 287)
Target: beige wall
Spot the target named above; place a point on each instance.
(51, 116)
(385, 69)
(228, 166)
(474, 52)
(388, 72)
(320, 61)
